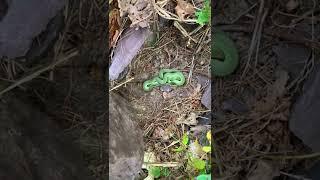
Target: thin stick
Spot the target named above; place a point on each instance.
(164, 164)
(294, 176)
(38, 72)
(305, 156)
(121, 84)
(191, 70)
(254, 38)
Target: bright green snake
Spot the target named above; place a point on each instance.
(224, 61)
(225, 57)
(166, 76)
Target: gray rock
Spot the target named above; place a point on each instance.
(127, 48)
(166, 88)
(125, 140)
(234, 105)
(292, 57)
(304, 121)
(206, 97)
(23, 21)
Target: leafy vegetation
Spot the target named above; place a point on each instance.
(198, 157)
(204, 15)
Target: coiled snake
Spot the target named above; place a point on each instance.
(166, 76)
(225, 57)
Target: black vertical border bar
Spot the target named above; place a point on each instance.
(107, 89)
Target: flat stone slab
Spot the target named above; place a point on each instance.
(23, 21)
(125, 140)
(305, 117)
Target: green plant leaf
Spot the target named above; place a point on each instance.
(204, 15)
(179, 149)
(185, 139)
(165, 172)
(206, 149)
(155, 172)
(198, 163)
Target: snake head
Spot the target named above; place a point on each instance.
(177, 81)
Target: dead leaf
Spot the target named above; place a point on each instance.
(158, 133)
(184, 9)
(279, 86)
(196, 92)
(274, 92)
(114, 26)
(264, 171)
(138, 11)
(166, 134)
(190, 120)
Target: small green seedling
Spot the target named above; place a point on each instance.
(196, 163)
(157, 172)
(204, 15)
(154, 172)
(183, 144)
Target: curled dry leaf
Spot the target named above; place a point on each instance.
(190, 120)
(184, 9)
(138, 11)
(114, 26)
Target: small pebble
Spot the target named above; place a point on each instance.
(205, 119)
(166, 88)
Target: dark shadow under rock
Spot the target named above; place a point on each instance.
(33, 147)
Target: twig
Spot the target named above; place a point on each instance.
(121, 84)
(294, 176)
(164, 164)
(254, 37)
(183, 31)
(191, 70)
(259, 38)
(275, 32)
(242, 14)
(305, 156)
(38, 72)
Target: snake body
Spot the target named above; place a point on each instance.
(166, 76)
(223, 44)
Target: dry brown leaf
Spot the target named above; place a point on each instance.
(184, 9)
(274, 92)
(138, 11)
(279, 86)
(158, 133)
(190, 120)
(114, 26)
